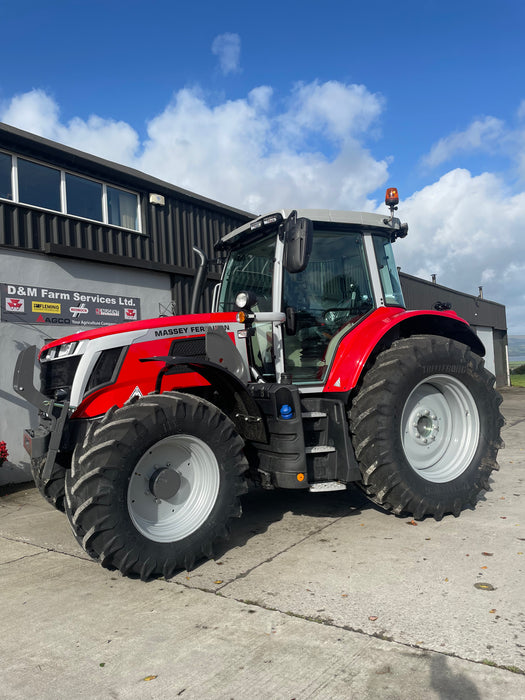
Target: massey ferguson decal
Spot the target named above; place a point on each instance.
(31, 305)
(15, 305)
(188, 330)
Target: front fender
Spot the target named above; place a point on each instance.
(229, 394)
(384, 326)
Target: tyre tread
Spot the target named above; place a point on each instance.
(370, 419)
(105, 452)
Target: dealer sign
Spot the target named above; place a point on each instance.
(31, 305)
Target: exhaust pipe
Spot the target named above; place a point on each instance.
(199, 280)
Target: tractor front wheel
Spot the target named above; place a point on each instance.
(426, 427)
(155, 484)
(53, 490)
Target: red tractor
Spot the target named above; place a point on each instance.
(309, 374)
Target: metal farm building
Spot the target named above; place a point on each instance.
(86, 242)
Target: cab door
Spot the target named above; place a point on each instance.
(324, 302)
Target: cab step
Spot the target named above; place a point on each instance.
(322, 486)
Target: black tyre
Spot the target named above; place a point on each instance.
(54, 489)
(426, 427)
(155, 484)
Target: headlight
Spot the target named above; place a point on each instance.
(58, 352)
(245, 300)
(67, 349)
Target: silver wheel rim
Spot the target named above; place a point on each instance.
(173, 518)
(440, 428)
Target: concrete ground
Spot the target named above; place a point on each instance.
(315, 596)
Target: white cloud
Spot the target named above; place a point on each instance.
(488, 136)
(488, 275)
(482, 135)
(33, 111)
(241, 151)
(252, 152)
(259, 153)
(468, 230)
(228, 49)
(336, 110)
(38, 113)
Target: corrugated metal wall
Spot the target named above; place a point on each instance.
(480, 313)
(27, 228)
(423, 294)
(178, 226)
(170, 232)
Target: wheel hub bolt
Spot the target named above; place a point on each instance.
(425, 426)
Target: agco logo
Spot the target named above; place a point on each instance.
(53, 319)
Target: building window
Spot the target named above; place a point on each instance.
(5, 176)
(122, 208)
(43, 186)
(84, 197)
(38, 185)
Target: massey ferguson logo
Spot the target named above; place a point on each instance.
(13, 304)
(130, 314)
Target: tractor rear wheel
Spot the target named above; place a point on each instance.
(426, 427)
(155, 484)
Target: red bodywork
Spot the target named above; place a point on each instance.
(356, 347)
(350, 358)
(193, 320)
(135, 374)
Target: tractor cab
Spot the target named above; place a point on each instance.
(307, 278)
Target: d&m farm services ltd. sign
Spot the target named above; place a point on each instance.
(31, 305)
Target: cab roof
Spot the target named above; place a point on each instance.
(330, 216)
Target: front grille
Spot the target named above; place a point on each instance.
(58, 375)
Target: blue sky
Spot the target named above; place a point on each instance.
(263, 105)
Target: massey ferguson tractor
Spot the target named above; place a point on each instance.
(310, 373)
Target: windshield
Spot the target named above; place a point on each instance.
(328, 298)
(249, 270)
(388, 273)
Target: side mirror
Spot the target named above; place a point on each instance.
(298, 235)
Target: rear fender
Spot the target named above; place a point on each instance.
(379, 330)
